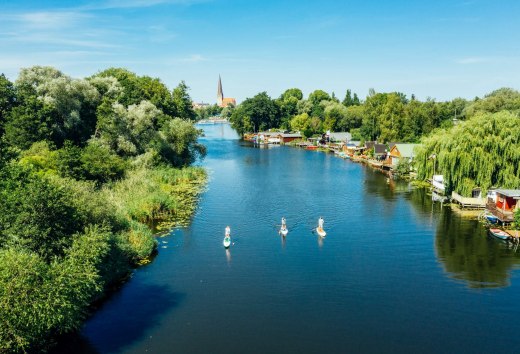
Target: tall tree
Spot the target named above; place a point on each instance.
(183, 103)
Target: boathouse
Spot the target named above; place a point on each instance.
(504, 204)
(288, 137)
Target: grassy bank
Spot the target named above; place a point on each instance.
(48, 279)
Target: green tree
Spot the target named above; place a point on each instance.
(7, 100)
(183, 104)
(480, 152)
(335, 113)
(348, 100)
(36, 214)
(315, 99)
(261, 110)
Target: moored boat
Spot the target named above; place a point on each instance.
(491, 218)
(284, 232)
(500, 234)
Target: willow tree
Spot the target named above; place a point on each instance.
(481, 152)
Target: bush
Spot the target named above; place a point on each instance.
(38, 299)
(35, 213)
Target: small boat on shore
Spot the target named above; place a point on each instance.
(311, 147)
(500, 234)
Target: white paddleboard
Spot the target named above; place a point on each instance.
(321, 232)
(227, 242)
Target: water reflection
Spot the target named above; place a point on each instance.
(462, 244)
(320, 241)
(467, 253)
(228, 256)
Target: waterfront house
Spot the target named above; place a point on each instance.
(379, 151)
(288, 137)
(352, 147)
(401, 151)
(369, 145)
(503, 204)
(339, 137)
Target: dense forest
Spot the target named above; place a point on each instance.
(476, 142)
(86, 167)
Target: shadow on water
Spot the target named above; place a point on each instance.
(468, 253)
(125, 318)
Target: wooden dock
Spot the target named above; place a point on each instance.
(468, 203)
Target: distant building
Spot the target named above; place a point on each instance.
(198, 105)
(221, 100)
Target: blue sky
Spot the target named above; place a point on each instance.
(440, 49)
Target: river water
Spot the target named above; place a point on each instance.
(395, 273)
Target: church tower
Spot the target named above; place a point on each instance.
(220, 93)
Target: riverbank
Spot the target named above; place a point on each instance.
(41, 300)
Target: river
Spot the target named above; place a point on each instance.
(395, 273)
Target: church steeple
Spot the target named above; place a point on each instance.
(220, 93)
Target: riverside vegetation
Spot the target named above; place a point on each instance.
(473, 143)
(86, 167)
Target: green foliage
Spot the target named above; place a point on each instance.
(315, 99)
(29, 122)
(350, 100)
(483, 151)
(7, 100)
(99, 163)
(158, 195)
(301, 123)
(209, 111)
(182, 102)
(403, 167)
(496, 101)
(517, 219)
(36, 214)
(335, 113)
(38, 298)
(178, 143)
(70, 223)
(261, 111)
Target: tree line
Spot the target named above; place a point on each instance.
(380, 116)
(86, 166)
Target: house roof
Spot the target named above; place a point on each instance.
(512, 193)
(379, 149)
(353, 143)
(406, 150)
(369, 144)
(340, 136)
(392, 144)
(290, 135)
